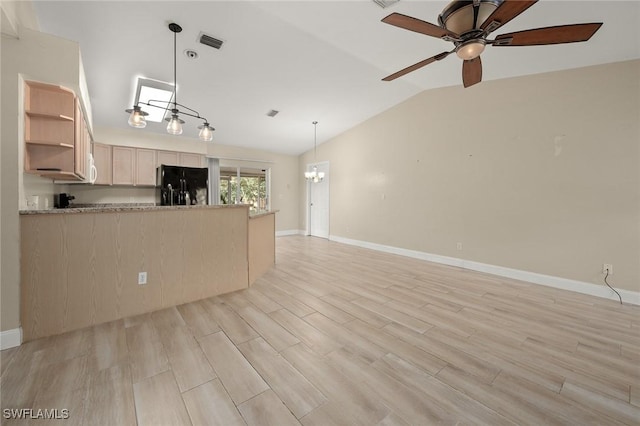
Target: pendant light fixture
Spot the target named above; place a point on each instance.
(137, 115)
(314, 175)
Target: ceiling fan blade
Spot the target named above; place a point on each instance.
(414, 67)
(549, 35)
(471, 72)
(414, 24)
(508, 10)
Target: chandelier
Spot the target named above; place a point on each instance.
(137, 115)
(314, 175)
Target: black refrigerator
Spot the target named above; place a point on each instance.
(182, 185)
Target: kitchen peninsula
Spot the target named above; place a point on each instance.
(81, 266)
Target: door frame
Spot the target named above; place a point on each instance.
(308, 197)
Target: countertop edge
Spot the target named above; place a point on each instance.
(256, 215)
(124, 209)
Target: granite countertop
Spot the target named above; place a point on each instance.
(110, 208)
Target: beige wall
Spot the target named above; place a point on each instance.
(285, 179)
(538, 173)
(39, 57)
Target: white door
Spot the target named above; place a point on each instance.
(318, 196)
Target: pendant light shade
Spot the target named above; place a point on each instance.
(206, 132)
(137, 115)
(175, 125)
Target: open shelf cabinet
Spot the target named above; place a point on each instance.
(55, 132)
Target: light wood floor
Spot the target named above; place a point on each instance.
(339, 335)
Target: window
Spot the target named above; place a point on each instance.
(244, 186)
(153, 90)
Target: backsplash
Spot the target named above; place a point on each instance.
(108, 195)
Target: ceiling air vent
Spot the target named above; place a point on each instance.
(385, 3)
(210, 41)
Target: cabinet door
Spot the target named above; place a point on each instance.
(102, 161)
(190, 160)
(145, 167)
(123, 165)
(80, 144)
(168, 158)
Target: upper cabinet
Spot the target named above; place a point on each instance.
(184, 159)
(145, 167)
(190, 160)
(102, 161)
(123, 165)
(56, 136)
(82, 140)
(168, 158)
(130, 166)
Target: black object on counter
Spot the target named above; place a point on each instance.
(180, 185)
(61, 201)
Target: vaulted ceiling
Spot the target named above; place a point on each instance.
(310, 60)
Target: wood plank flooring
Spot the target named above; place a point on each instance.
(337, 335)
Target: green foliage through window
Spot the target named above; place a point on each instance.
(253, 191)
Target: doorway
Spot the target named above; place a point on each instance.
(318, 203)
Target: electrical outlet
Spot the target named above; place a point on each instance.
(142, 278)
(607, 267)
(459, 246)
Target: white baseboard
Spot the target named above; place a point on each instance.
(10, 338)
(289, 232)
(628, 296)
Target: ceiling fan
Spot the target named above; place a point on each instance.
(468, 23)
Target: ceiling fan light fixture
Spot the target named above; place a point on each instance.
(470, 49)
(459, 17)
(467, 23)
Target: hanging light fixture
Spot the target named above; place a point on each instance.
(314, 175)
(137, 115)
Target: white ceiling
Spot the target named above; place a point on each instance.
(311, 60)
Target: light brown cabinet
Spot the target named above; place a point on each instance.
(190, 160)
(129, 166)
(133, 166)
(123, 165)
(81, 146)
(184, 159)
(102, 161)
(145, 167)
(168, 158)
(51, 134)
